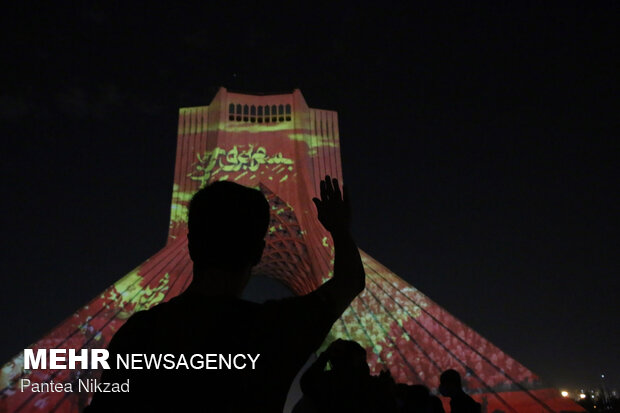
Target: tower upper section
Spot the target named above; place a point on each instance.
(271, 140)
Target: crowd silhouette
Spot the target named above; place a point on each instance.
(227, 224)
(340, 381)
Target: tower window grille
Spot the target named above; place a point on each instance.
(259, 114)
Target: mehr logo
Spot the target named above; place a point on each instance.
(58, 358)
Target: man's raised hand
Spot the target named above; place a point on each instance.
(333, 208)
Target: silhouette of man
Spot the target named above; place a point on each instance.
(460, 402)
(347, 386)
(227, 224)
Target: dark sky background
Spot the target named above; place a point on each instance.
(480, 145)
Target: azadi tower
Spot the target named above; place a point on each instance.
(278, 144)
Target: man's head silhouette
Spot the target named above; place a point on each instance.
(450, 383)
(227, 225)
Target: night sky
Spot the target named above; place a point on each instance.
(480, 146)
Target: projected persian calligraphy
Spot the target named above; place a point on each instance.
(234, 160)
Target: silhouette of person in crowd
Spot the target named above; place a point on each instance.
(227, 224)
(417, 399)
(460, 402)
(347, 386)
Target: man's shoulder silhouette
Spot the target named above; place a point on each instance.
(182, 322)
(282, 332)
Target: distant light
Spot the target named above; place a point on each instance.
(564, 393)
(602, 376)
(582, 396)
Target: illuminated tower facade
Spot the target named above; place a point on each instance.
(276, 143)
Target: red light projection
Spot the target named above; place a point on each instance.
(279, 145)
